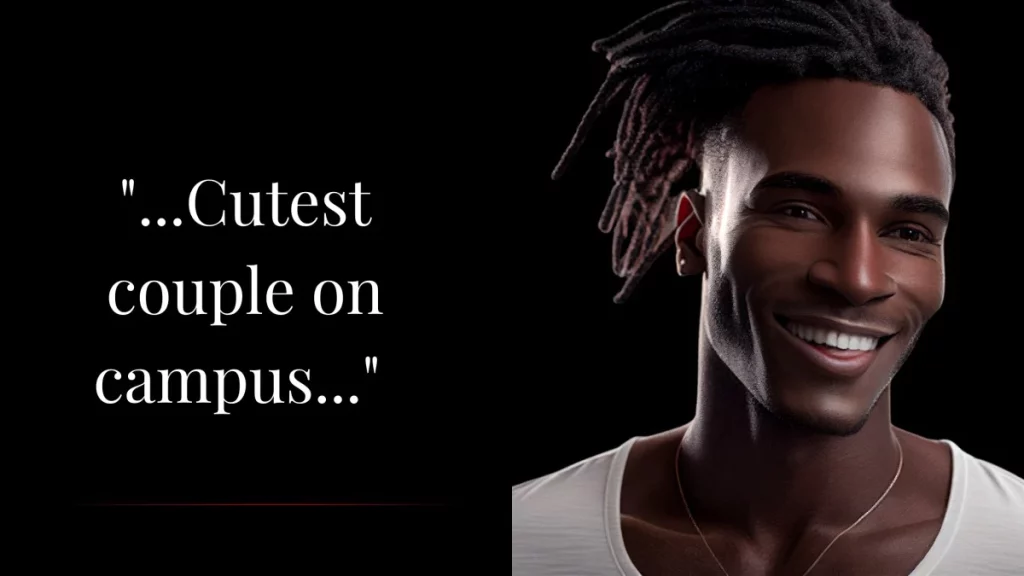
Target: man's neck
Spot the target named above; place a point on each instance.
(744, 468)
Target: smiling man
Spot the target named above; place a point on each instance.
(820, 140)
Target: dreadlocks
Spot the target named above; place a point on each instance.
(688, 66)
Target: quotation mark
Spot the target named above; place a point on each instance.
(371, 364)
(128, 189)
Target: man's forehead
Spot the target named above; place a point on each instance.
(859, 135)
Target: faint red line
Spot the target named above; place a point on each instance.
(266, 504)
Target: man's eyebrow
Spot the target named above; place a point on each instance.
(918, 204)
(799, 180)
(912, 203)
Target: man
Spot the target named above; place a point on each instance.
(825, 153)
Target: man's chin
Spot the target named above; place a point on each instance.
(824, 415)
(826, 424)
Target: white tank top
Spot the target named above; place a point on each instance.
(568, 524)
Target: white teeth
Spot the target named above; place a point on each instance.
(833, 338)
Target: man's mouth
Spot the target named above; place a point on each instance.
(838, 347)
(831, 338)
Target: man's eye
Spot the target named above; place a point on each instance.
(799, 212)
(912, 235)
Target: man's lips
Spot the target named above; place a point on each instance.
(873, 330)
(840, 348)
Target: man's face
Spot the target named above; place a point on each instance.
(823, 245)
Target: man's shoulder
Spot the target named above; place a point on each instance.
(986, 520)
(559, 519)
(993, 494)
(579, 485)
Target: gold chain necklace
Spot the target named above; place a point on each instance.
(679, 483)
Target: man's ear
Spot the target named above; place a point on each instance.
(699, 202)
(690, 218)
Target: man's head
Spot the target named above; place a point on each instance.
(824, 149)
(821, 247)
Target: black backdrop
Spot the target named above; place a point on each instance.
(491, 275)
(313, 102)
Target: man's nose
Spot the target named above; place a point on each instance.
(854, 264)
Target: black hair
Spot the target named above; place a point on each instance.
(685, 68)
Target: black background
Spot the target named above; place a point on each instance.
(314, 102)
(491, 275)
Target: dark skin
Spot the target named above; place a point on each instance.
(786, 450)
